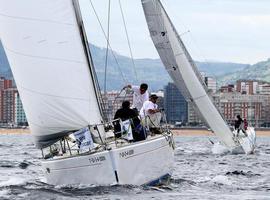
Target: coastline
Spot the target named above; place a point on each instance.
(176, 132)
(203, 132)
(14, 131)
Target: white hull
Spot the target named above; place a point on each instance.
(248, 142)
(135, 164)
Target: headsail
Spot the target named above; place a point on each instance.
(182, 69)
(46, 53)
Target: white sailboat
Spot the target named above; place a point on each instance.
(184, 73)
(48, 52)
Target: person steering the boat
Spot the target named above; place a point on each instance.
(140, 95)
(239, 124)
(150, 114)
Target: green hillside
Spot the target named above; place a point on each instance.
(148, 70)
(260, 71)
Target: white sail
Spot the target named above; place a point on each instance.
(48, 60)
(182, 69)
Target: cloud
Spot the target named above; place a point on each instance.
(226, 30)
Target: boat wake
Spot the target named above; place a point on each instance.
(218, 148)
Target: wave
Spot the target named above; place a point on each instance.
(24, 165)
(180, 181)
(218, 148)
(241, 173)
(12, 181)
(223, 180)
(8, 164)
(14, 164)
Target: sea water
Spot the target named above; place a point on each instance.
(199, 173)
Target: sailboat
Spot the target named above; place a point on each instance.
(187, 78)
(48, 51)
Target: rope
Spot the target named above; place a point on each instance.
(130, 51)
(121, 73)
(107, 49)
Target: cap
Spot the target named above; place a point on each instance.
(153, 96)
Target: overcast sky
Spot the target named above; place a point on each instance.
(220, 30)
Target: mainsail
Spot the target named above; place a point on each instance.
(48, 59)
(182, 69)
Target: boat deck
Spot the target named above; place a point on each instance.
(68, 147)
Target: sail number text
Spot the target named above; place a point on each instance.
(95, 160)
(126, 153)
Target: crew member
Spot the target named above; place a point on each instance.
(149, 113)
(140, 95)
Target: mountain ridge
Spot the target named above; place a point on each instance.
(258, 71)
(152, 71)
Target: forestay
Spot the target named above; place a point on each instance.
(46, 53)
(182, 69)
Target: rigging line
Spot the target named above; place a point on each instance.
(117, 63)
(107, 50)
(161, 9)
(193, 40)
(193, 64)
(185, 49)
(169, 60)
(188, 56)
(128, 40)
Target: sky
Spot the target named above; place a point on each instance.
(213, 30)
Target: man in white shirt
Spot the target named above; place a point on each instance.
(140, 95)
(150, 113)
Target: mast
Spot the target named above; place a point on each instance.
(88, 56)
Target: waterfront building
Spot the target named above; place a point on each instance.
(211, 84)
(194, 118)
(20, 118)
(112, 101)
(4, 84)
(176, 107)
(247, 86)
(227, 88)
(254, 108)
(264, 88)
(8, 105)
(252, 87)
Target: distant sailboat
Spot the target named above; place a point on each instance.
(48, 51)
(184, 73)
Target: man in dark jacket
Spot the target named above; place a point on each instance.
(126, 113)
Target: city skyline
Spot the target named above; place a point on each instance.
(224, 30)
(249, 98)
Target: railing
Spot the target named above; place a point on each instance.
(102, 139)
